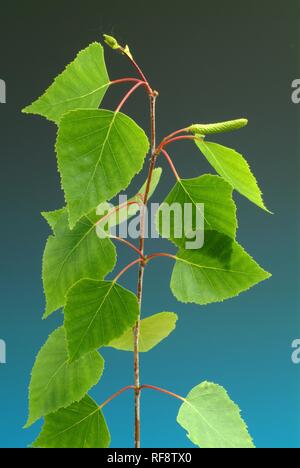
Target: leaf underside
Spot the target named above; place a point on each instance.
(96, 313)
(154, 329)
(72, 255)
(57, 384)
(212, 419)
(81, 425)
(220, 270)
(83, 84)
(99, 152)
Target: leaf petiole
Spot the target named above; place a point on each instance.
(138, 260)
(132, 387)
(171, 164)
(127, 96)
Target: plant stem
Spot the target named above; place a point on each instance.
(171, 164)
(125, 80)
(156, 255)
(139, 260)
(129, 244)
(130, 92)
(136, 331)
(116, 210)
(177, 132)
(132, 387)
(129, 387)
(181, 137)
(138, 69)
(162, 390)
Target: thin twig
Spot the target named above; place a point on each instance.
(141, 274)
(129, 244)
(171, 164)
(129, 387)
(138, 260)
(127, 96)
(181, 137)
(116, 209)
(156, 255)
(162, 390)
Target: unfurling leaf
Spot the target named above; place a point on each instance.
(72, 255)
(57, 384)
(82, 85)
(96, 313)
(234, 169)
(154, 329)
(99, 152)
(220, 127)
(81, 425)
(212, 419)
(186, 198)
(111, 42)
(220, 270)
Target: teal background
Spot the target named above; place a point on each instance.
(210, 61)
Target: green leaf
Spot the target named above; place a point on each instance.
(99, 152)
(124, 213)
(212, 419)
(81, 425)
(96, 313)
(220, 127)
(219, 209)
(234, 169)
(57, 384)
(220, 270)
(72, 255)
(154, 329)
(82, 85)
(52, 217)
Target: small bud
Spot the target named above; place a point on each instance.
(207, 129)
(111, 42)
(127, 52)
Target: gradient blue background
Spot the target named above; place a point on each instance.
(210, 61)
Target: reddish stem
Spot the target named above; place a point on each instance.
(139, 260)
(129, 387)
(129, 244)
(156, 255)
(178, 138)
(181, 130)
(173, 168)
(125, 80)
(137, 328)
(162, 390)
(138, 69)
(115, 210)
(127, 96)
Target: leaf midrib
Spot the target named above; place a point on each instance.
(106, 85)
(205, 267)
(92, 320)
